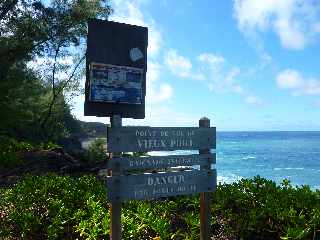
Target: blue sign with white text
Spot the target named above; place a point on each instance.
(115, 84)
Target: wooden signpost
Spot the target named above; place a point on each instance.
(205, 196)
(116, 65)
(165, 180)
(144, 139)
(115, 207)
(162, 184)
(160, 162)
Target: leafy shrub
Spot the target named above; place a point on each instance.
(9, 159)
(47, 146)
(97, 150)
(10, 144)
(54, 207)
(259, 209)
(10, 149)
(170, 218)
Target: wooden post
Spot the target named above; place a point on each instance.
(204, 196)
(115, 208)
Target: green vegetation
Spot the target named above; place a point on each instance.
(42, 46)
(92, 130)
(56, 207)
(10, 150)
(97, 150)
(258, 207)
(42, 52)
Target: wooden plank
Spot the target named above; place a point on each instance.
(205, 216)
(115, 206)
(156, 162)
(155, 185)
(144, 139)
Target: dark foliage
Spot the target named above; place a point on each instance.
(41, 63)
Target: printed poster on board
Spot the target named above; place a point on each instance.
(115, 84)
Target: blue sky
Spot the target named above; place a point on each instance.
(245, 64)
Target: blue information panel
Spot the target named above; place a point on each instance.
(115, 84)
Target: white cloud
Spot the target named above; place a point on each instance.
(293, 80)
(222, 78)
(290, 33)
(178, 65)
(156, 91)
(230, 78)
(130, 13)
(181, 66)
(289, 79)
(164, 116)
(165, 92)
(214, 61)
(219, 77)
(294, 21)
(212, 70)
(254, 100)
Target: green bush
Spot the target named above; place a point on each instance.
(97, 150)
(259, 209)
(47, 146)
(10, 150)
(54, 207)
(170, 218)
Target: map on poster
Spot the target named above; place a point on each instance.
(115, 84)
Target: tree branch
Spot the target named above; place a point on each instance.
(71, 75)
(7, 7)
(59, 90)
(54, 94)
(54, 71)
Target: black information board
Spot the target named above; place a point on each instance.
(116, 65)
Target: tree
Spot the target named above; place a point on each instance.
(42, 48)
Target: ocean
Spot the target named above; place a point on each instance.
(273, 155)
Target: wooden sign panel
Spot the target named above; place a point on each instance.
(155, 185)
(145, 139)
(156, 162)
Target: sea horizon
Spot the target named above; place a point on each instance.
(275, 155)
